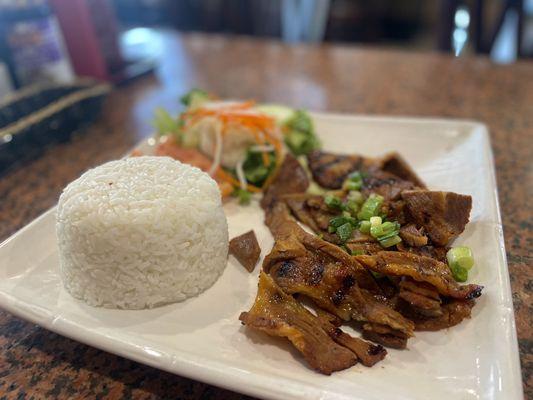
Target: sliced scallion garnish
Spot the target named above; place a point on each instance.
(460, 260)
(370, 207)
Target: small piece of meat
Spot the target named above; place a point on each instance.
(438, 253)
(245, 249)
(331, 170)
(313, 212)
(420, 269)
(395, 211)
(385, 336)
(453, 313)
(385, 184)
(421, 288)
(368, 353)
(279, 314)
(421, 304)
(412, 236)
(290, 178)
(395, 164)
(443, 215)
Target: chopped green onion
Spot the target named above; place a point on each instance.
(460, 260)
(354, 181)
(356, 196)
(333, 202)
(352, 207)
(345, 231)
(371, 207)
(390, 226)
(351, 185)
(364, 226)
(462, 256)
(375, 221)
(459, 273)
(244, 196)
(376, 230)
(332, 229)
(391, 241)
(355, 176)
(341, 220)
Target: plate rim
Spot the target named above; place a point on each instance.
(191, 367)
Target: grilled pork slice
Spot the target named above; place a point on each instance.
(443, 215)
(452, 313)
(368, 353)
(305, 264)
(331, 170)
(290, 178)
(312, 211)
(279, 314)
(421, 297)
(387, 176)
(421, 269)
(245, 249)
(395, 164)
(438, 253)
(412, 236)
(385, 184)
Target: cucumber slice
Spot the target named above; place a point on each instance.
(280, 113)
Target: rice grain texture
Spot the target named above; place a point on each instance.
(141, 232)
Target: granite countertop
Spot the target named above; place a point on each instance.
(35, 363)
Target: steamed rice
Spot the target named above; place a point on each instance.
(141, 232)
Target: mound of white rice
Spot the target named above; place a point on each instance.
(141, 232)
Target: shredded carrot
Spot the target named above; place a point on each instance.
(261, 127)
(226, 188)
(221, 174)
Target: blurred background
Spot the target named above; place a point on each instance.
(117, 40)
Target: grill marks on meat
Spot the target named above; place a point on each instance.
(278, 314)
(395, 164)
(420, 269)
(385, 184)
(302, 263)
(443, 215)
(245, 249)
(421, 297)
(291, 178)
(331, 170)
(415, 291)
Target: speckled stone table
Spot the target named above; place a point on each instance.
(35, 363)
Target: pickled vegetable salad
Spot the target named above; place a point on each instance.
(240, 144)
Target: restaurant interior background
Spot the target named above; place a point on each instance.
(126, 37)
(80, 50)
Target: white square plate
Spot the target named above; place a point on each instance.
(202, 338)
